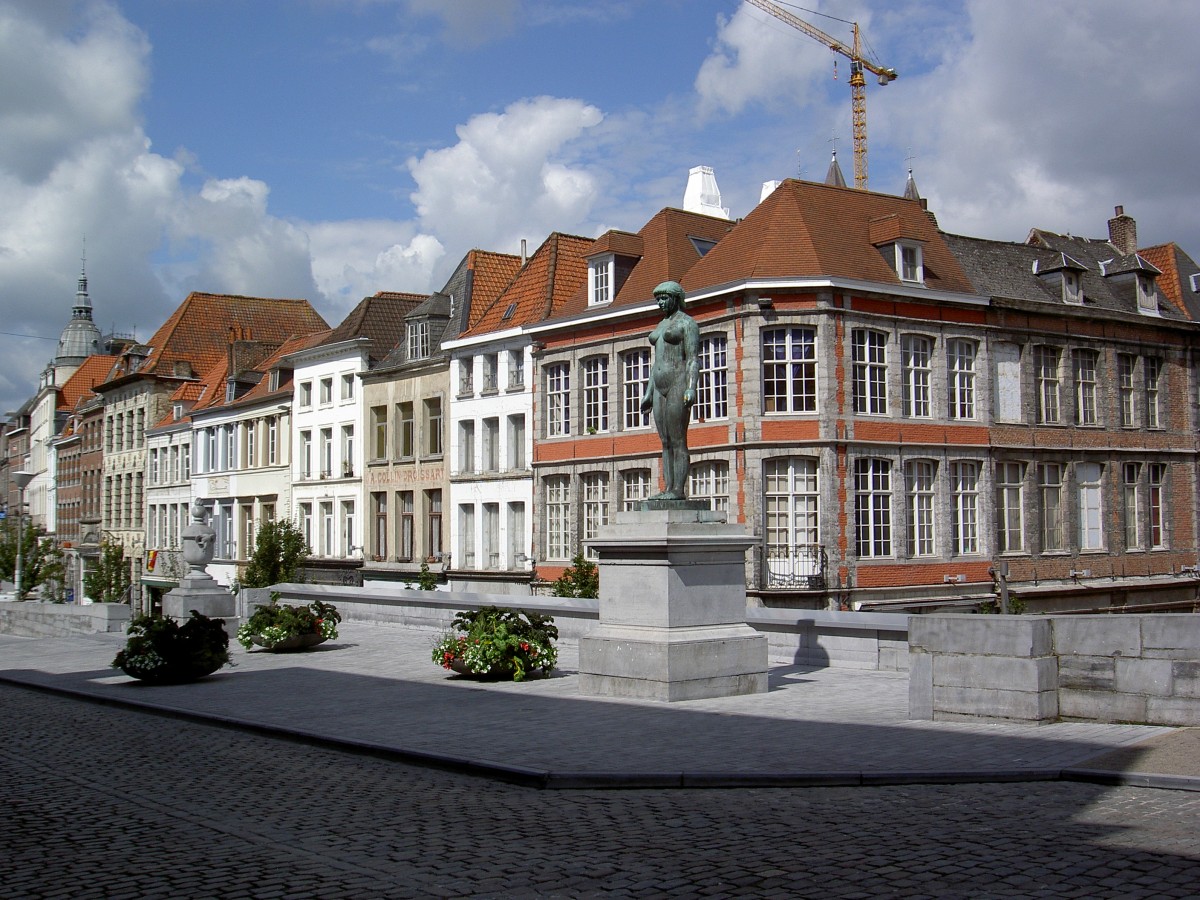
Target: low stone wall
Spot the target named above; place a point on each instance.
(795, 637)
(1102, 668)
(31, 618)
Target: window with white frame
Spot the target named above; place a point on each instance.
(273, 441)
(961, 354)
(466, 536)
(916, 353)
(558, 517)
(516, 442)
(789, 370)
(872, 507)
(595, 394)
(1156, 474)
(868, 350)
(250, 444)
(466, 376)
(1126, 363)
(600, 280)
(348, 386)
(1010, 483)
(1152, 369)
(964, 506)
(516, 369)
(1147, 294)
(791, 507)
(1045, 375)
(558, 400)
(1091, 524)
(518, 548)
(490, 450)
(709, 481)
(1050, 491)
(433, 523)
(1130, 505)
(595, 506)
(379, 432)
(489, 535)
(491, 373)
(405, 526)
(326, 387)
(433, 426)
(910, 262)
(635, 487)
(636, 377)
(405, 431)
(379, 536)
(326, 449)
(417, 339)
(712, 384)
(919, 495)
(348, 533)
(347, 451)
(466, 447)
(305, 394)
(306, 525)
(1085, 363)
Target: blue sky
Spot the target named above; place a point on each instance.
(333, 148)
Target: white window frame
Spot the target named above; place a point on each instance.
(789, 373)
(962, 356)
(920, 486)
(601, 279)
(595, 394)
(869, 360)
(916, 360)
(558, 399)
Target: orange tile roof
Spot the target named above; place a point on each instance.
(92, 372)
(491, 273)
(199, 329)
(555, 271)
(805, 228)
(667, 253)
(1175, 281)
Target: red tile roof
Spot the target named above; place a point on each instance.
(199, 330)
(804, 228)
(491, 274)
(92, 372)
(555, 271)
(1175, 281)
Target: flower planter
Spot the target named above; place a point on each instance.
(289, 644)
(178, 674)
(498, 673)
(160, 651)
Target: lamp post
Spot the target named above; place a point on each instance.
(21, 479)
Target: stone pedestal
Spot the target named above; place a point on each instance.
(198, 590)
(672, 608)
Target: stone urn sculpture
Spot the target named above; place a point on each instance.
(198, 590)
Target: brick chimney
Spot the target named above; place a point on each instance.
(1122, 232)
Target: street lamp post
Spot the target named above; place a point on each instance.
(21, 479)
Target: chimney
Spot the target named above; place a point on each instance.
(702, 194)
(1122, 232)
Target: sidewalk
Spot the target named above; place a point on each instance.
(376, 690)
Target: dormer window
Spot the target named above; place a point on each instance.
(1147, 294)
(1071, 288)
(177, 413)
(909, 262)
(418, 340)
(600, 280)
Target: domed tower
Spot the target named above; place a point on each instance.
(81, 338)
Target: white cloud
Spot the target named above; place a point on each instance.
(354, 259)
(509, 176)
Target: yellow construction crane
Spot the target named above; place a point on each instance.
(858, 83)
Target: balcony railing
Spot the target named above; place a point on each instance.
(801, 567)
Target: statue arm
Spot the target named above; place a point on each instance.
(691, 356)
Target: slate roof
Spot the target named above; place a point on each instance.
(380, 319)
(553, 274)
(199, 330)
(807, 229)
(1005, 271)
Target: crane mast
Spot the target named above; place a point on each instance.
(858, 82)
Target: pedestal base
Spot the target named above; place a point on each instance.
(673, 663)
(201, 593)
(672, 609)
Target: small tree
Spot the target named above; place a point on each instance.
(41, 560)
(580, 579)
(109, 579)
(279, 551)
(426, 580)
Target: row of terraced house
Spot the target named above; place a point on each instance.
(901, 417)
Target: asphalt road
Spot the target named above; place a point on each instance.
(108, 802)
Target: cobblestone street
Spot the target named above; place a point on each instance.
(108, 802)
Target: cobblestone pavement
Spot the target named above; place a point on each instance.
(108, 802)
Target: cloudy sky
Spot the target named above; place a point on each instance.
(329, 149)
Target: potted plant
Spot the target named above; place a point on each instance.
(280, 628)
(499, 643)
(161, 651)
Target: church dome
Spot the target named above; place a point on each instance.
(81, 338)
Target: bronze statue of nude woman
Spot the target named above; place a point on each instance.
(671, 390)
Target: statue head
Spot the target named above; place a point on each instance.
(669, 294)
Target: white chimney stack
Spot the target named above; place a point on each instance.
(702, 194)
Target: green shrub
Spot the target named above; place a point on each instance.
(161, 651)
(498, 642)
(274, 623)
(580, 579)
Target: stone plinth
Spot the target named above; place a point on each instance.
(200, 592)
(672, 609)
